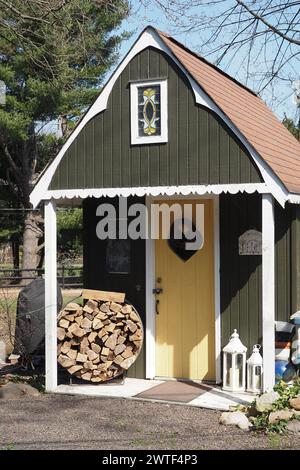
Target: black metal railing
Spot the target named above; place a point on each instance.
(67, 276)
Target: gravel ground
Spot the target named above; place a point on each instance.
(66, 422)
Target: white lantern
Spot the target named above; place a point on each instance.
(234, 364)
(255, 371)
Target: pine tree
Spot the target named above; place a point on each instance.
(53, 57)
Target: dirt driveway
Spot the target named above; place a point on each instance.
(65, 422)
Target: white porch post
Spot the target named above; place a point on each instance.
(50, 295)
(150, 298)
(268, 291)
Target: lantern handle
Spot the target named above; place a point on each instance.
(257, 346)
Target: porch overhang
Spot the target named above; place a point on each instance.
(73, 197)
(268, 276)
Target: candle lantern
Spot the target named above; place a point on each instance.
(234, 364)
(255, 371)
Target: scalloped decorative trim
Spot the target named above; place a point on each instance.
(216, 189)
(294, 198)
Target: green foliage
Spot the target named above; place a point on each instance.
(10, 446)
(261, 423)
(11, 222)
(69, 250)
(291, 126)
(53, 68)
(69, 224)
(48, 147)
(54, 56)
(69, 219)
(286, 392)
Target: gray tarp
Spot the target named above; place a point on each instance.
(30, 321)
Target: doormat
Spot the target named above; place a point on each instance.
(183, 392)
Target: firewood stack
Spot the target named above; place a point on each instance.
(100, 340)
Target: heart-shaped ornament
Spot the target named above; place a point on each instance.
(181, 234)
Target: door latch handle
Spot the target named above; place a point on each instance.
(156, 306)
(157, 290)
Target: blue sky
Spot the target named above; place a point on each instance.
(139, 20)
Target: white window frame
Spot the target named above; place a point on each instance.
(151, 139)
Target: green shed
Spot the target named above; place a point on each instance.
(172, 131)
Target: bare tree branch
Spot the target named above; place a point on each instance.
(257, 41)
(269, 25)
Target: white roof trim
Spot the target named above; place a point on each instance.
(249, 188)
(151, 38)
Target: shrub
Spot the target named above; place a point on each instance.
(286, 392)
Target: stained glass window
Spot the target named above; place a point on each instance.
(149, 112)
(149, 120)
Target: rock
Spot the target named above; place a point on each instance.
(29, 390)
(279, 415)
(235, 418)
(265, 401)
(295, 403)
(12, 391)
(14, 358)
(293, 427)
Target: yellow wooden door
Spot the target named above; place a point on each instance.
(185, 323)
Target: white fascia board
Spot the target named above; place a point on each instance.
(147, 39)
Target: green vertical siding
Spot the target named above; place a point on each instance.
(240, 275)
(241, 296)
(95, 275)
(200, 150)
(283, 293)
(295, 261)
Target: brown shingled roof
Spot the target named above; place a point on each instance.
(270, 138)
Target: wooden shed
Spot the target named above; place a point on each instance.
(212, 141)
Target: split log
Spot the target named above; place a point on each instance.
(118, 297)
(61, 333)
(100, 340)
(65, 347)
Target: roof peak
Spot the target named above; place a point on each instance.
(199, 57)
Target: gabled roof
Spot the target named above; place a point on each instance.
(273, 148)
(248, 112)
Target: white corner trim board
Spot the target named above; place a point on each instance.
(268, 291)
(150, 301)
(217, 276)
(50, 296)
(200, 190)
(151, 38)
